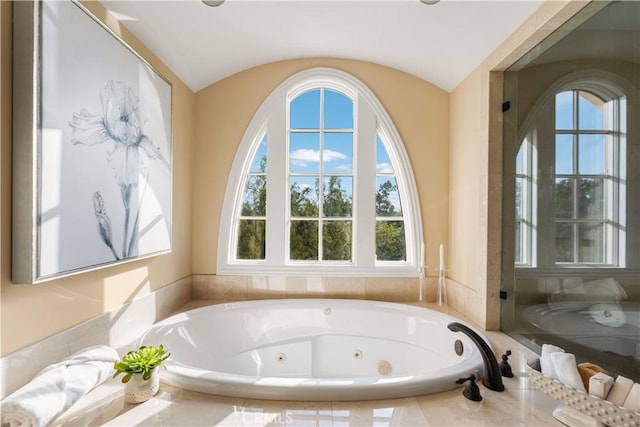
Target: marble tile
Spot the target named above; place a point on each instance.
(280, 413)
(227, 288)
(383, 413)
(266, 287)
(395, 289)
(513, 407)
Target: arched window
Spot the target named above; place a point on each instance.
(321, 184)
(570, 177)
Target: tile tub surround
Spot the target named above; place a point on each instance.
(119, 329)
(520, 404)
(239, 288)
(392, 289)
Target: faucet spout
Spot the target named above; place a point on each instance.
(491, 378)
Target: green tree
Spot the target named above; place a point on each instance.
(390, 238)
(336, 235)
(390, 241)
(303, 234)
(252, 232)
(384, 206)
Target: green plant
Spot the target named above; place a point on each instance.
(142, 361)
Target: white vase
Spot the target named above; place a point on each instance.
(138, 390)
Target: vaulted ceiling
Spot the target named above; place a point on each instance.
(440, 43)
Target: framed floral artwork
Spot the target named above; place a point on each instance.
(92, 175)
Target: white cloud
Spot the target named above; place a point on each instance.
(384, 168)
(330, 155)
(304, 156)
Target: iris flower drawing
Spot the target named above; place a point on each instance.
(121, 127)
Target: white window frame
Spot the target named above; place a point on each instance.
(540, 126)
(529, 200)
(370, 118)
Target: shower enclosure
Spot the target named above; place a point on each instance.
(571, 207)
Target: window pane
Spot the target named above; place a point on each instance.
(564, 154)
(251, 238)
(564, 110)
(259, 163)
(304, 152)
(390, 241)
(338, 153)
(591, 241)
(591, 154)
(304, 196)
(564, 242)
(383, 162)
(254, 202)
(519, 159)
(387, 197)
(303, 244)
(338, 196)
(336, 240)
(338, 111)
(305, 111)
(591, 198)
(564, 198)
(518, 239)
(590, 111)
(518, 198)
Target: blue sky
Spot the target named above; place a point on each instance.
(591, 148)
(337, 150)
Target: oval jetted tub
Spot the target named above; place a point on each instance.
(314, 349)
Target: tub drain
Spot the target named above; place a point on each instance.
(281, 357)
(384, 367)
(357, 354)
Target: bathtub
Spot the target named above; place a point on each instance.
(314, 349)
(570, 326)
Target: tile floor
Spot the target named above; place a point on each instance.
(519, 405)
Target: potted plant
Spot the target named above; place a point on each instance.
(141, 374)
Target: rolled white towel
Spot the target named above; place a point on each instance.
(546, 364)
(54, 389)
(608, 314)
(567, 370)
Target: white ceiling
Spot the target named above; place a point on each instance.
(441, 43)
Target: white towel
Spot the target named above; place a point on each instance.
(567, 370)
(546, 364)
(608, 314)
(54, 389)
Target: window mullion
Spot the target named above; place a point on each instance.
(364, 238)
(278, 210)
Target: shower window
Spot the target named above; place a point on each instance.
(321, 185)
(574, 154)
(584, 179)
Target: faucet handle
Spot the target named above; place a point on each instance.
(471, 390)
(505, 368)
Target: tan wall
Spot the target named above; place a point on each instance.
(32, 312)
(224, 110)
